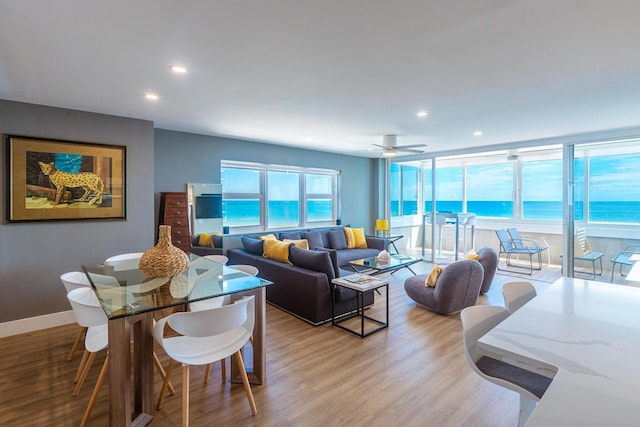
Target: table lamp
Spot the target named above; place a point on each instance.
(382, 227)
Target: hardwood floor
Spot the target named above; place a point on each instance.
(413, 373)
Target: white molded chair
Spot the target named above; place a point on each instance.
(219, 302)
(128, 261)
(206, 337)
(220, 259)
(74, 280)
(517, 294)
(90, 314)
(476, 322)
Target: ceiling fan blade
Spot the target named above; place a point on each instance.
(411, 146)
(408, 150)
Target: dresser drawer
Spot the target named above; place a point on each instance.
(175, 211)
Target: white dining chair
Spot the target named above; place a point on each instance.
(476, 322)
(90, 314)
(128, 261)
(219, 302)
(517, 294)
(220, 259)
(206, 337)
(74, 280)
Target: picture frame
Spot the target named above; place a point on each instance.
(57, 180)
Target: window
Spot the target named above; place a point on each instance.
(490, 190)
(449, 189)
(241, 204)
(614, 195)
(404, 189)
(259, 197)
(542, 190)
(319, 189)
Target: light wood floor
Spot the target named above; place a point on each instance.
(413, 374)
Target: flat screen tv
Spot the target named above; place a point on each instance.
(209, 206)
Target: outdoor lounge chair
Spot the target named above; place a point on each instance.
(624, 258)
(524, 247)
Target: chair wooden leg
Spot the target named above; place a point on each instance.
(94, 395)
(83, 375)
(163, 375)
(85, 355)
(185, 395)
(76, 343)
(165, 383)
(207, 371)
(245, 381)
(223, 368)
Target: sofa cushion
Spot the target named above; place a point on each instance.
(291, 235)
(277, 250)
(301, 243)
(268, 237)
(432, 278)
(313, 260)
(355, 237)
(253, 246)
(337, 239)
(206, 239)
(314, 238)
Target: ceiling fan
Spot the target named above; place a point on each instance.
(390, 147)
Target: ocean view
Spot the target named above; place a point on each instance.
(285, 213)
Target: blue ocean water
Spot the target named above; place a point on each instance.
(238, 213)
(607, 212)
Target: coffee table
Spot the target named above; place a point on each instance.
(375, 266)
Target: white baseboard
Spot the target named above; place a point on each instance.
(30, 324)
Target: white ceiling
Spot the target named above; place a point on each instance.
(334, 75)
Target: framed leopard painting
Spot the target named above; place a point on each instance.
(48, 179)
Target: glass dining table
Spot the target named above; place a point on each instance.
(129, 299)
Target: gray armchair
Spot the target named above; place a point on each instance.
(489, 261)
(457, 287)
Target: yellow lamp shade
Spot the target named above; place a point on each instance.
(382, 225)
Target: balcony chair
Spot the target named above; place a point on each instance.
(582, 252)
(476, 322)
(521, 241)
(206, 337)
(623, 258)
(511, 248)
(517, 294)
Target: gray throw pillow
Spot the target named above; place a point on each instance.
(253, 246)
(314, 238)
(337, 239)
(319, 261)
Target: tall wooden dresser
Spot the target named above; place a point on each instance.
(174, 211)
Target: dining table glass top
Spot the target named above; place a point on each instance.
(125, 292)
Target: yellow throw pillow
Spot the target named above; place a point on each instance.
(351, 240)
(433, 276)
(206, 239)
(277, 250)
(302, 243)
(472, 255)
(268, 237)
(359, 238)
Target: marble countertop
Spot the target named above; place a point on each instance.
(586, 335)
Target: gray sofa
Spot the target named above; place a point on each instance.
(206, 250)
(303, 288)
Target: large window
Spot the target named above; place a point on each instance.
(490, 190)
(527, 186)
(259, 197)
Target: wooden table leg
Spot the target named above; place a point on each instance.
(120, 390)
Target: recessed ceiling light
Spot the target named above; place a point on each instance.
(477, 133)
(422, 114)
(151, 96)
(178, 69)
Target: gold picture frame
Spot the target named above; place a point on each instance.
(51, 180)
